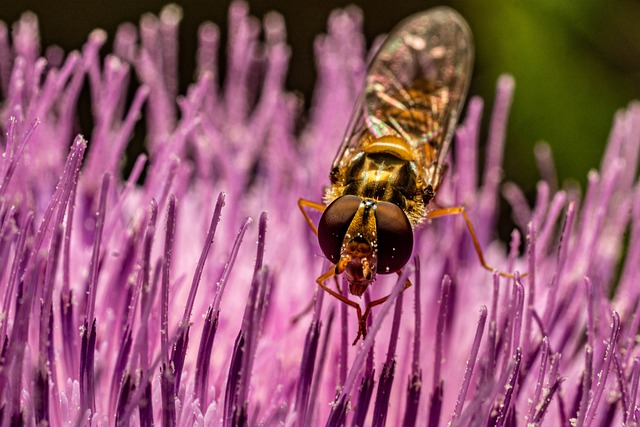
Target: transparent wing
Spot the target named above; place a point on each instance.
(415, 89)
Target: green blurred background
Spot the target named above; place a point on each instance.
(575, 63)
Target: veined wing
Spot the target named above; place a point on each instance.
(415, 89)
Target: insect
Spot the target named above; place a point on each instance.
(391, 160)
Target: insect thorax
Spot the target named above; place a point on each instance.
(382, 176)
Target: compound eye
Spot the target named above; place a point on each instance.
(334, 224)
(395, 237)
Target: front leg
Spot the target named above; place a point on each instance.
(459, 210)
(379, 301)
(362, 331)
(304, 203)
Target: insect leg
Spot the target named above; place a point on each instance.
(310, 305)
(303, 312)
(304, 203)
(331, 273)
(459, 210)
(379, 301)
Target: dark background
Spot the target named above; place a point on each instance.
(575, 63)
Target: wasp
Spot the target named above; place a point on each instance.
(392, 158)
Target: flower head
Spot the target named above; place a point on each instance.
(157, 298)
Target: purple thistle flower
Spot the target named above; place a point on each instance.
(134, 301)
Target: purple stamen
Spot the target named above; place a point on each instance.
(542, 203)
(387, 374)
(591, 330)
(21, 253)
(365, 391)
(552, 380)
(119, 387)
(143, 289)
(209, 40)
(306, 371)
(147, 292)
(504, 407)
(492, 343)
(87, 378)
(435, 401)
(339, 405)
(415, 378)
(519, 205)
(622, 384)
(517, 314)
(549, 222)
(14, 153)
(125, 392)
(604, 372)
(319, 368)
(585, 387)
(237, 389)
(544, 405)
(344, 339)
(166, 269)
(467, 137)
(41, 386)
(69, 334)
(546, 165)
(495, 151)
(8, 230)
(180, 349)
(626, 295)
(635, 375)
(256, 308)
(544, 357)
(95, 265)
(527, 337)
(235, 409)
(209, 330)
(167, 385)
(46, 328)
(471, 362)
(212, 318)
(443, 302)
(134, 176)
(562, 258)
(6, 59)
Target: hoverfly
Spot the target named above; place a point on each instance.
(391, 160)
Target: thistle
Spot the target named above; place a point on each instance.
(166, 295)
